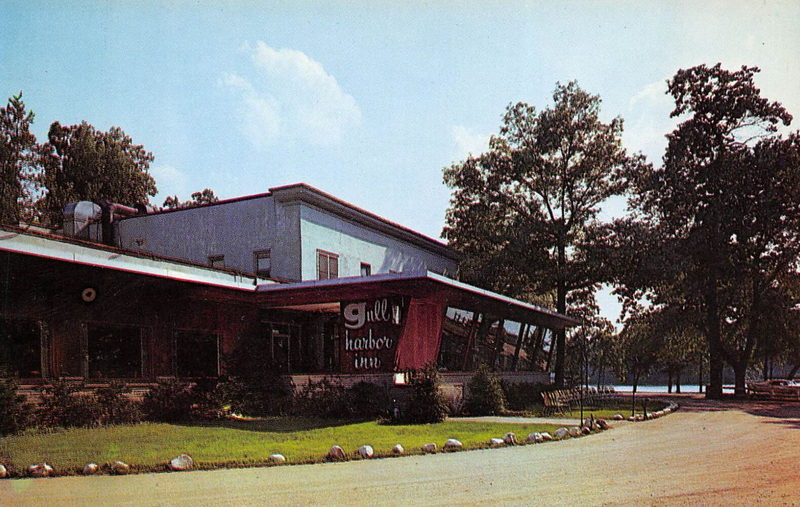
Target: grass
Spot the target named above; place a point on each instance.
(149, 446)
(606, 410)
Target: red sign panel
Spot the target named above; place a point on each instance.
(370, 330)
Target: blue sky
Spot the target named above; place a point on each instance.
(366, 100)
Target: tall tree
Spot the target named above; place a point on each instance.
(205, 196)
(520, 212)
(85, 163)
(17, 161)
(726, 206)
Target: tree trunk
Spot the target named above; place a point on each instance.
(700, 375)
(793, 372)
(739, 373)
(561, 334)
(669, 381)
(715, 353)
(678, 381)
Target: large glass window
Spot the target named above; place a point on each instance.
(470, 339)
(457, 331)
(114, 351)
(20, 348)
(196, 354)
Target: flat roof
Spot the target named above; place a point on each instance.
(38, 244)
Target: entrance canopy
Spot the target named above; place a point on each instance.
(324, 295)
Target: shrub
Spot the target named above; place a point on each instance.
(64, 405)
(208, 397)
(427, 404)
(484, 396)
(15, 412)
(523, 395)
(116, 407)
(324, 399)
(169, 401)
(256, 386)
(369, 401)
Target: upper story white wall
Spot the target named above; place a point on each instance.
(355, 244)
(293, 223)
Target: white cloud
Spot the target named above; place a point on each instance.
(647, 120)
(292, 96)
(468, 141)
(258, 112)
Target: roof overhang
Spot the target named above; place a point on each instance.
(63, 249)
(413, 285)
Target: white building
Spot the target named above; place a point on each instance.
(290, 233)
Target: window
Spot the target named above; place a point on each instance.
(469, 339)
(114, 352)
(196, 354)
(20, 348)
(216, 261)
(327, 265)
(366, 269)
(262, 261)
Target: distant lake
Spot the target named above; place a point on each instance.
(685, 388)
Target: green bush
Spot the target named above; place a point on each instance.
(116, 407)
(523, 395)
(169, 401)
(256, 386)
(323, 399)
(426, 404)
(208, 399)
(484, 396)
(64, 405)
(15, 412)
(369, 401)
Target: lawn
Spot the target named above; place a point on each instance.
(609, 409)
(148, 446)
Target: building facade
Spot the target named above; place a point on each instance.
(157, 302)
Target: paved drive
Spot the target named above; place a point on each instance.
(706, 453)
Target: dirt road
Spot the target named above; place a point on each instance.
(709, 453)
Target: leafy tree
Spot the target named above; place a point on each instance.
(520, 213)
(205, 196)
(640, 344)
(85, 163)
(726, 206)
(18, 150)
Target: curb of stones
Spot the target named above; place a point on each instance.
(362, 453)
(671, 407)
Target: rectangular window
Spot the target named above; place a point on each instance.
(20, 348)
(216, 261)
(327, 265)
(263, 262)
(196, 354)
(366, 269)
(114, 352)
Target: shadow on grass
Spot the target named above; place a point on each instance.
(275, 424)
